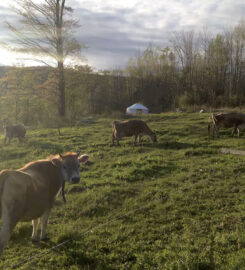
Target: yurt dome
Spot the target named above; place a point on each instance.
(137, 109)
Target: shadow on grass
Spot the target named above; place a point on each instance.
(76, 250)
(110, 201)
(66, 243)
(173, 145)
(57, 148)
(22, 234)
(98, 185)
(146, 172)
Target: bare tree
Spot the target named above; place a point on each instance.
(45, 32)
(186, 47)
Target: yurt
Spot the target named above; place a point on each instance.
(137, 109)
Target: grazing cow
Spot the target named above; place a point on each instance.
(136, 128)
(227, 120)
(14, 131)
(29, 193)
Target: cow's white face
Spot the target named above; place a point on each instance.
(70, 166)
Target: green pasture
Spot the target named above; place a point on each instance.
(176, 204)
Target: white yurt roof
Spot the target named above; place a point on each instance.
(137, 106)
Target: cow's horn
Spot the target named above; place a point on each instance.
(60, 156)
(78, 153)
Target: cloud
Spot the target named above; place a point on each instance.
(116, 30)
(124, 28)
(118, 35)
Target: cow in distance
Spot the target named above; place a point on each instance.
(136, 128)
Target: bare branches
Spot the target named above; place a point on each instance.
(46, 33)
(38, 60)
(45, 30)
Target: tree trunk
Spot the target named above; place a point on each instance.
(16, 111)
(61, 89)
(60, 54)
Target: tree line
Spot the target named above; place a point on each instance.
(196, 69)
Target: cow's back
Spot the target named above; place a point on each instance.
(236, 119)
(230, 119)
(138, 126)
(131, 127)
(15, 131)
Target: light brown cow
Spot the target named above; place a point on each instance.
(227, 120)
(29, 193)
(136, 128)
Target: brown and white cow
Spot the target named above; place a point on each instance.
(227, 120)
(136, 128)
(29, 193)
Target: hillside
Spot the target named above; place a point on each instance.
(176, 204)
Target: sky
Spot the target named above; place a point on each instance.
(115, 30)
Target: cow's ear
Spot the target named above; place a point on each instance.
(83, 158)
(56, 162)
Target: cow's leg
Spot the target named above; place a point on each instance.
(117, 140)
(9, 220)
(234, 130)
(213, 131)
(5, 139)
(5, 233)
(216, 130)
(44, 221)
(140, 138)
(113, 138)
(238, 132)
(209, 126)
(35, 224)
(135, 139)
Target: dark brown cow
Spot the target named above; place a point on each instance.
(136, 128)
(29, 193)
(11, 131)
(227, 120)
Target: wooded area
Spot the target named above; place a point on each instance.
(194, 71)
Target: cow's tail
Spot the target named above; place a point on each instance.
(113, 131)
(3, 177)
(209, 125)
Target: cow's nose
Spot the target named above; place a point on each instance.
(75, 180)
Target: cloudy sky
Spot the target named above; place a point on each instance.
(114, 30)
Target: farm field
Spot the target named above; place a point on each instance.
(176, 204)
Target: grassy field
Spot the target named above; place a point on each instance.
(177, 204)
